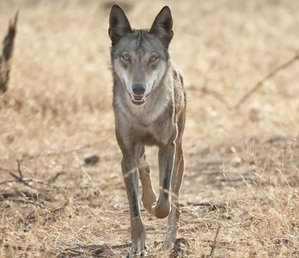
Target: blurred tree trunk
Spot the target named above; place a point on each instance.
(6, 57)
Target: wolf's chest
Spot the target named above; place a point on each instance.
(156, 134)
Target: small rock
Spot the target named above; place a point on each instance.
(92, 160)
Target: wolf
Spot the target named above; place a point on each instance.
(5, 58)
(149, 104)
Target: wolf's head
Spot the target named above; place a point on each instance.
(140, 57)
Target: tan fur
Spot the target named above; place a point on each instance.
(153, 115)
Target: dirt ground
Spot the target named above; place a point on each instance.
(61, 189)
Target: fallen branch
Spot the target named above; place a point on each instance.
(19, 179)
(266, 78)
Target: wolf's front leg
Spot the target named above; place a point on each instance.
(130, 174)
(176, 181)
(166, 160)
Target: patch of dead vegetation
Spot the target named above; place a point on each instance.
(240, 191)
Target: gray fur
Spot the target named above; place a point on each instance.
(155, 117)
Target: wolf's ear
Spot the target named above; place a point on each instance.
(119, 25)
(162, 26)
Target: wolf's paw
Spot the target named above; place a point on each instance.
(137, 254)
(134, 253)
(166, 245)
(161, 210)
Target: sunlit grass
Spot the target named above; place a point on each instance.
(58, 111)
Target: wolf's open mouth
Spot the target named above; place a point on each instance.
(137, 99)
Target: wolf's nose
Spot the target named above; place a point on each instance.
(138, 88)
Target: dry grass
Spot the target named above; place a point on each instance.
(242, 164)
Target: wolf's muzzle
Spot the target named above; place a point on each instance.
(138, 97)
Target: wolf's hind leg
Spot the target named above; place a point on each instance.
(148, 193)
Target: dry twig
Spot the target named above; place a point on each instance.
(205, 90)
(267, 78)
(214, 242)
(216, 95)
(53, 178)
(19, 168)
(19, 179)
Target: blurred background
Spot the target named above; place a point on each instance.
(57, 110)
(61, 64)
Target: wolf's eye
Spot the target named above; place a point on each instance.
(154, 58)
(125, 57)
